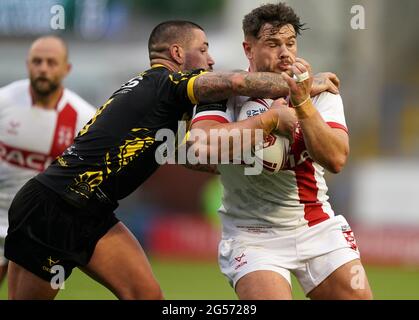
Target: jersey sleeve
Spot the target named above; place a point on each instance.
(330, 107)
(180, 86)
(217, 111)
(85, 113)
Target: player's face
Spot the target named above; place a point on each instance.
(196, 52)
(47, 66)
(274, 50)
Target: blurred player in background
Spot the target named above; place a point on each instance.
(39, 119)
(64, 217)
(274, 224)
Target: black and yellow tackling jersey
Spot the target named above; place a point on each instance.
(115, 152)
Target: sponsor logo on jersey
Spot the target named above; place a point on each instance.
(24, 158)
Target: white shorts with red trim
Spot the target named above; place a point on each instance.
(310, 253)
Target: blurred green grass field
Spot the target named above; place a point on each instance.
(203, 281)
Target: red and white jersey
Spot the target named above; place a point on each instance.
(31, 137)
(296, 195)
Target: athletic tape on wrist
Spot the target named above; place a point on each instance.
(305, 110)
(300, 104)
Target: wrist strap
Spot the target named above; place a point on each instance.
(305, 110)
(299, 105)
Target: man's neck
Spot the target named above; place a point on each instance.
(172, 66)
(47, 102)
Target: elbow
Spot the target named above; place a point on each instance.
(338, 160)
(335, 168)
(337, 164)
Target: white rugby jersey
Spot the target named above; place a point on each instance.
(31, 137)
(296, 195)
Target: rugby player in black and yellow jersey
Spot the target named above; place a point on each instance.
(64, 216)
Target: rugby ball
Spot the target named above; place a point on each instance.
(273, 152)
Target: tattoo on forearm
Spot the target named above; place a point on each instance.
(211, 87)
(265, 85)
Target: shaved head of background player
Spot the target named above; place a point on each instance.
(282, 223)
(47, 65)
(32, 111)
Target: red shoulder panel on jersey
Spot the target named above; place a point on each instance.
(64, 130)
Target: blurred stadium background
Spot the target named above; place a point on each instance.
(174, 213)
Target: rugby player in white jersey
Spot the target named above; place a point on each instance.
(38, 120)
(277, 224)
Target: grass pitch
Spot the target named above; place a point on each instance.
(203, 281)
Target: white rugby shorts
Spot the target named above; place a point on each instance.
(310, 253)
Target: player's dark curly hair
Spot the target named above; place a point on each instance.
(169, 32)
(277, 15)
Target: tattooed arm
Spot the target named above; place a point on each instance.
(217, 86)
